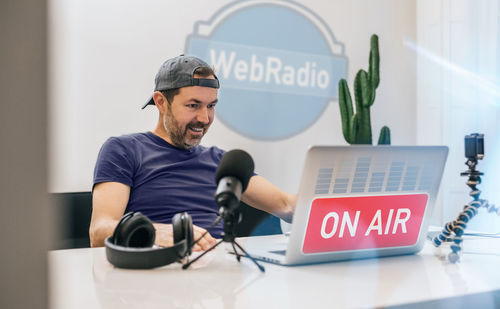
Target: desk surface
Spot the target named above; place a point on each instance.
(83, 278)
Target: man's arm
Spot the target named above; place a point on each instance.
(109, 201)
(262, 194)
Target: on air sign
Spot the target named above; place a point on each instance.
(364, 222)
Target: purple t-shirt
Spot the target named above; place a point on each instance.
(164, 180)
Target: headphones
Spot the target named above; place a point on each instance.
(131, 245)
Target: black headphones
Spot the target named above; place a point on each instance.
(131, 245)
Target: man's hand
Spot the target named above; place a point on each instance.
(206, 242)
(165, 236)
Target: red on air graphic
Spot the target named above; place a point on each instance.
(364, 222)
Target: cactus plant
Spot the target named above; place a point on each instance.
(356, 127)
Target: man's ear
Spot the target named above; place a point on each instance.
(160, 100)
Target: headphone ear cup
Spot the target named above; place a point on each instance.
(183, 230)
(118, 232)
(189, 233)
(134, 230)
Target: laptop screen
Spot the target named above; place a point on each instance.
(361, 198)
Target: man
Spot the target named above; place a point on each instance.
(166, 171)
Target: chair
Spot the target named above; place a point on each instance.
(74, 211)
(256, 222)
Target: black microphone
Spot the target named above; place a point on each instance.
(232, 177)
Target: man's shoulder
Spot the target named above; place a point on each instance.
(130, 137)
(127, 139)
(124, 145)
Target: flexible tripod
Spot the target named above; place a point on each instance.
(474, 151)
(230, 221)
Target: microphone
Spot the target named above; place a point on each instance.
(232, 177)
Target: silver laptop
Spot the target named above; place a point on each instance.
(358, 202)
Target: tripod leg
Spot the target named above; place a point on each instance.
(262, 269)
(444, 235)
(454, 256)
(238, 256)
(185, 266)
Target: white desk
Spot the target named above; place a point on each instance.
(83, 278)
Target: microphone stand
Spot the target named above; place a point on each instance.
(230, 221)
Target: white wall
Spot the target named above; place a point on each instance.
(458, 94)
(104, 56)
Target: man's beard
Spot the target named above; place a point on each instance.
(179, 135)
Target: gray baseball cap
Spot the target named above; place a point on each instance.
(178, 72)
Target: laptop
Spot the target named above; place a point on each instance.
(358, 202)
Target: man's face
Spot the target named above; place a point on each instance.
(188, 117)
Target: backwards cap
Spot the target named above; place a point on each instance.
(178, 72)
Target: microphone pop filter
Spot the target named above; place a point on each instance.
(238, 164)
